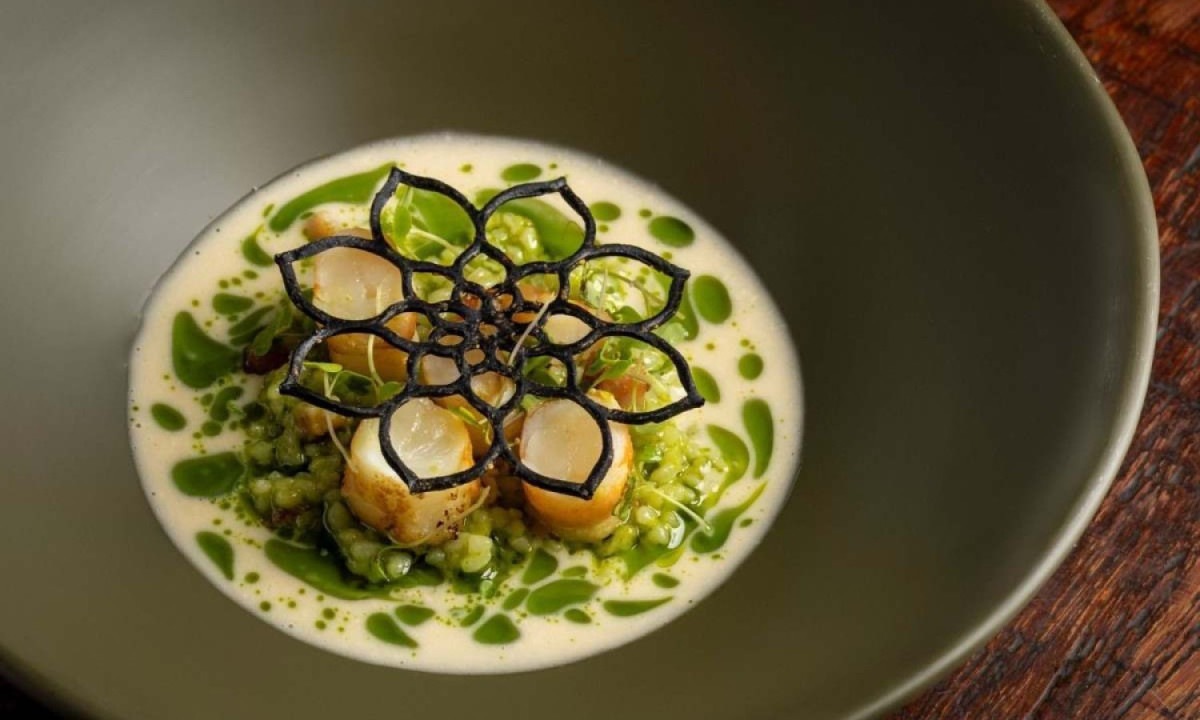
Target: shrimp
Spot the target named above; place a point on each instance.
(433, 442)
(560, 440)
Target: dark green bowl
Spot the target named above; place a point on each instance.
(940, 196)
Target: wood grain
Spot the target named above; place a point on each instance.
(1115, 633)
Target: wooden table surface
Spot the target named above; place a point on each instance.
(1115, 633)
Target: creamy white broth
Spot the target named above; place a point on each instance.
(754, 329)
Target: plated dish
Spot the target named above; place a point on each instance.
(453, 403)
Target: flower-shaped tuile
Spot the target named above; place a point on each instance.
(488, 330)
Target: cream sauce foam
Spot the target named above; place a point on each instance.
(444, 646)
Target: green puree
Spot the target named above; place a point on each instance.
(413, 614)
(706, 384)
(605, 211)
(558, 594)
(514, 600)
(219, 411)
(664, 581)
(320, 570)
(686, 315)
(207, 475)
(672, 231)
(521, 172)
(350, 189)
(472, 617)
(218, 550)
(750, 366)
(628, 608)
(253, 252)
(228, 304)
(541, 566)
(198, 359)
(167, 417)
(722, 525)
(497, 630)
(384, 628)
(736, 456)
(712, 299)
(756, 416)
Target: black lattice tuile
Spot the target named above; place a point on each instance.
(463, 318)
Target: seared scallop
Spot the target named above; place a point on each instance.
(432, 442)
(491, 387)
(561, 440)
(355, 285)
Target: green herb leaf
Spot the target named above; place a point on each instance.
(389, 390)
(280, 321)
(331, 368)
(398, 225)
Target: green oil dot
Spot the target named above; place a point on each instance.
(466, 168)
(541, 566)
(577, 616)
(514, 600)
(712, 299)
(645, 212)
(251, 578)
(628, 608)
(497, 630)
(756, 417)
(672, 231)
(706, 384)
(664, 581)
(249, 274)
(223, 284)
(721, 525)
(320, 624)
(320, 571)
(384, 628)
(198, 359)
(472, 617)
(207, 476)
(264, 606)
(228, 304)
(413, 614)
(605, 211)
(734, 453)
(355, 189)
(521, 172)
(686, 316)
(329, 613)
(554, 596)
(218, 550)
(210, 428)
(750, 366)
(219, 410)
(167, 417)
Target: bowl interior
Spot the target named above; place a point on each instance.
(936, 196)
